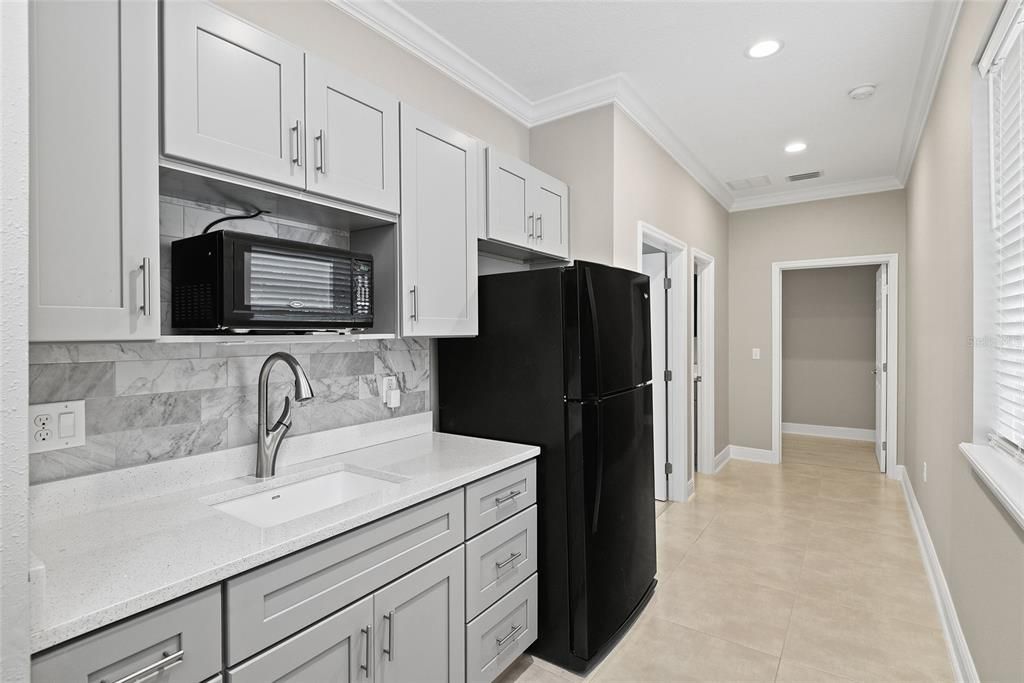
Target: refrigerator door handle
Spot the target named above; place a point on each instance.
(595, 329)
(599, 479)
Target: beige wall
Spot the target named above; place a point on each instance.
(321, 28)
(578, 150)
(980, 549)
(848, 226)
(651, 187)
(828, 346)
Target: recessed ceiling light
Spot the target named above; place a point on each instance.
(764, 48)
(796, 147)
(862, 92)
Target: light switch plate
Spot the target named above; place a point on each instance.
(56, 425)
(755, 354)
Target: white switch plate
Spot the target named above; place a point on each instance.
(755, 354)
(44, 426)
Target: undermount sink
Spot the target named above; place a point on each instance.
(291, 501)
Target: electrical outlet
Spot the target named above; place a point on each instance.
(56, 425)
(388, 384)
(755, 354)
(924, 472)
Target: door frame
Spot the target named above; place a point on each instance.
(680, 484)
(892, 350)
(702, 265)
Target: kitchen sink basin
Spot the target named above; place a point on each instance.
(291, 501)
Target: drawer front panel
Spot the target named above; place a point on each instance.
(181, 640)
(499, 497)
(271, 603)
(503, 632)
(499, 559)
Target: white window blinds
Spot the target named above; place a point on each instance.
(1005, 75)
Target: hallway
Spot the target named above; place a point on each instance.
(807, 571)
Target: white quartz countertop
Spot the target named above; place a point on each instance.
(111, 563)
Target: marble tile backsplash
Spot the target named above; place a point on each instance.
(151, 401)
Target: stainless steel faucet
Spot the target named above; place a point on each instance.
(268, 440)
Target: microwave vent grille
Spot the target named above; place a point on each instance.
(192, 303)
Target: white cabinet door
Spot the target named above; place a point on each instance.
(232, 95)
(508, 200)
(351, 138)
(550, 208)
(419, 624)
(440, 170)
(94, 115)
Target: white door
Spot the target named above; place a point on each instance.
(351, 138)
(508, 200)
(232, 95)
(654, 268)
(881, 362)
(420, 624)
(94, 266)
(440, 171)
(551, 220)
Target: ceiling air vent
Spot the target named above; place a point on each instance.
(803, 176)
(749, 183)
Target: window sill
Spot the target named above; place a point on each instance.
(1003, 475)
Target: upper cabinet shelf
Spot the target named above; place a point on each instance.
(527, 209)
(241, 99)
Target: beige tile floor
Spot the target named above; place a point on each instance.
(805, 571)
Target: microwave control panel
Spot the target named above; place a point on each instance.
(362, 288)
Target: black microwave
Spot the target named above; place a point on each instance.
(231, 281)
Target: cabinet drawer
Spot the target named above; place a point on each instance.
(500, 496)
(339, 648)
(184, 635)
(499, 559)
(499, 635)
(271, 603)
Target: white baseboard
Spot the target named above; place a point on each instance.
(753, 454)
(956, 642)
(830, 432)
(722, 458)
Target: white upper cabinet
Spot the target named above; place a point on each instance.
(94, 256)
(439, 214)
(526, 208)
(233, 95)
(351, 138)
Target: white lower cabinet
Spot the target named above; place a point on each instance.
(502, 633)
(419, 623)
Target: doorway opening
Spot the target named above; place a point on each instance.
(834, 357)
(663, 259)
(702, 362)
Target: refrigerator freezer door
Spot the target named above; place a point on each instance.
(608, 330)
(610, 496)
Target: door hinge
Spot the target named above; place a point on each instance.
(668, 375)
(668, 468)
(885, 366)
(885, 446)
(668, 283)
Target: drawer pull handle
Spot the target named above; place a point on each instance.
(511, 558)
(169, 660)
(511, 636)
(511, 495)
(390, 650)
(368, 631)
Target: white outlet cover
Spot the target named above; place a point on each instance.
(755, 354)
(46, 438)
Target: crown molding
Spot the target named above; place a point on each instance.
(941, 25)
(816, 193)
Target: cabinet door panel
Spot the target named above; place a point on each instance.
(351, 139)
(508, 199)
(336, 650)
(233, 95)
(94, 171)
(550, 205)
(419, 624)
(440, 168)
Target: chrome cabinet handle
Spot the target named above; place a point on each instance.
(511, 495)
(529, 226)
(322, 164)
(390, 649)
(511, 558)
(540, 226)
(368, 632)
(169, 660)
(415, 303)
(147, 287)
(512, 634)
(297, 149)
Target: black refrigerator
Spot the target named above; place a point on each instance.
(563, 361)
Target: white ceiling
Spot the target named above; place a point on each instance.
(680, 69)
